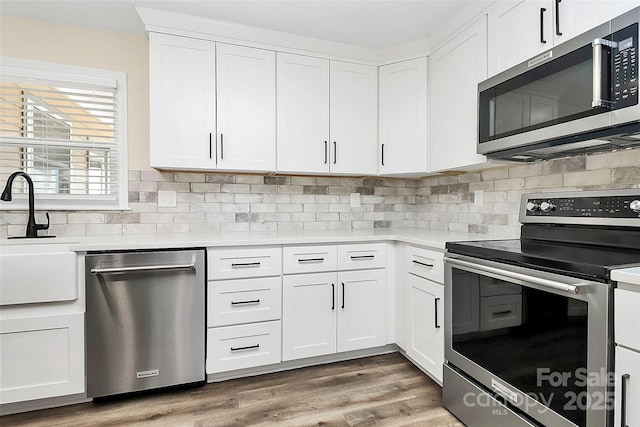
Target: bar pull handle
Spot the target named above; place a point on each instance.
(542, 11)
(599, 62)
(558, 32)
(325, 153)
(253, 301)
(221, 146)
(140, 268)
(361, 257)
(249, 347)
(623, 398)
(310, 260)
(342, 295)
(335, 152)
(333, 296)
(245, 264)
(435, 303)
(382, 154)
(210, 146)
(502, 312)
(424, 264)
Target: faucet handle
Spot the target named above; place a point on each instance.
(43, 226)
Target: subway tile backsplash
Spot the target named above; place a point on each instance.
(212, 202)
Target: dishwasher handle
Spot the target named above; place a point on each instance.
(167, 267)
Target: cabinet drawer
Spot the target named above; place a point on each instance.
(232, 302)
(426, 263)
(500, 311)
(309, 259)
(627, 318)
(359, 257)
(241, 263)
(243, 346)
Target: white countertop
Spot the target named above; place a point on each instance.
(432, 239)
(627, 275)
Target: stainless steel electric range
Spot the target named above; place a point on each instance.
(528, 322)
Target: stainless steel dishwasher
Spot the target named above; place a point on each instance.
(145, 321)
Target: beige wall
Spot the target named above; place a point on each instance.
(86, 47)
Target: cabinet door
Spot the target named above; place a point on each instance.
(627, 371)
(182, 102)
(41, 357)
(425, 317)
(577, 16)
(517, 30)
(403, 117)
(309, 307)
(303, 114)
(455, 71)
(353, 118)
(362, 309)
(246, 104)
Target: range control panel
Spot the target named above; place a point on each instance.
(583, 205)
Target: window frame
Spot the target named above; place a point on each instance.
(77, 75)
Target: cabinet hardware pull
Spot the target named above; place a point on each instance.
(382, 154)
(245, 264)
(542, 11)
(343, 295)
(435, 303)
(335, 152)
(422, 263)
(254, 301)
(210, 147)
(221, 146)
(325, 153)
(333, 296)
(558, 32)
(357, 257)
(502, 312)
(302, 260)
(249, 347)
(623, 398)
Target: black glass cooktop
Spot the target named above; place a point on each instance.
(590, 262)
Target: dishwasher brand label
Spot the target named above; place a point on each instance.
(504, 391)
(146, 374)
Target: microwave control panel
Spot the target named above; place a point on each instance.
(614, 206)
(624, 89)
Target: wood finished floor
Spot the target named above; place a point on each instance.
(384, 390)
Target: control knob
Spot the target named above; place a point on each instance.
(533, 206)
(547, 207)
(635, 206)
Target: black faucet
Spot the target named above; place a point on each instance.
(32, 227)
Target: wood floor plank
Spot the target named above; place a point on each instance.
(384, 390)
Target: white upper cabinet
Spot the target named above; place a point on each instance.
(303, 114)
(183, 117)
(521, 29)
(353, 118)
(182, 103)
(319, 136)
(246, 104)
(455, 71)
(403, 118)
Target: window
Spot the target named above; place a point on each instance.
(66, 128)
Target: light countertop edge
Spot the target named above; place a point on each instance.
(627, 275)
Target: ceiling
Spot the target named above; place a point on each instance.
(368, 23)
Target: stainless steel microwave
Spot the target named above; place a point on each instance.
(579, 97)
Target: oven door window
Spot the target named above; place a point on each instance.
(559, 91)
(523, 336)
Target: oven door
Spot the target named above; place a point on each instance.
(539, 343)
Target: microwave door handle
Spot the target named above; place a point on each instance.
(598, 45)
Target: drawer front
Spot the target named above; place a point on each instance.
(490, 287)
(231, 302)
(241, 263)
(359, 257)
(627, 318)
(500, 311)
(309, 259)
(426, 263)
(243, 346)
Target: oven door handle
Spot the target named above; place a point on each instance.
(565, 287)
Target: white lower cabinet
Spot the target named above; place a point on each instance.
(627, 369)
(425, 322)
(324, 313)
(41, 357)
